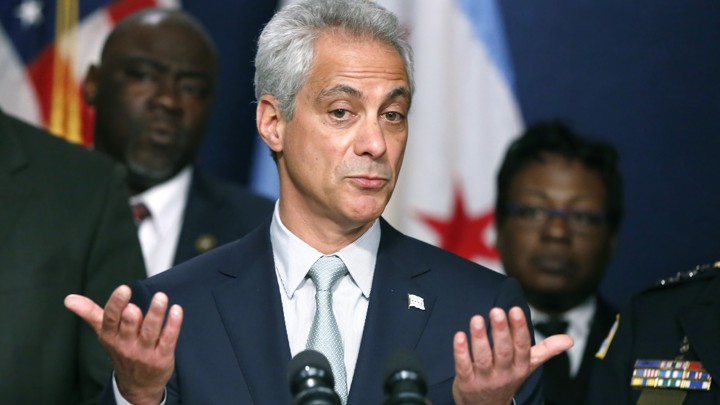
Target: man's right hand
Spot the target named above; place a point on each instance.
(142, 350)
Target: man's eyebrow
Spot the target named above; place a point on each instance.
(401, 91)
(337, 90)
(351, 91)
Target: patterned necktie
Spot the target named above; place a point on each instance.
(140, 211)
(556, 371)
(324, 333)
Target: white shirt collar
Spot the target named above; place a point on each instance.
(578, 318)
(159, 234)
(293, 257)
(166, 201)
(579, 321)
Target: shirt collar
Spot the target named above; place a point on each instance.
(293, 257)
(579, 317)
(166, 201)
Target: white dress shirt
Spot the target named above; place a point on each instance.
(293, 259)
(579, 321)
(159, 234)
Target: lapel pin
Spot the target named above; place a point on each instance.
(415, 301)
(205, 242)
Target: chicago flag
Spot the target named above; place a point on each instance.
(463, 117)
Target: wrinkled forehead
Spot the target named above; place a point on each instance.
(348, 54)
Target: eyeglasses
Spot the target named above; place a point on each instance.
(536, 217)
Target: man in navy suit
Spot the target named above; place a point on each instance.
(334, 83)
(152, 94)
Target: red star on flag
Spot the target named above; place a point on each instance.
(463, 234)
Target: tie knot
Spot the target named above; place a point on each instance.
(326, 271)
(552, 327)
(139, 211)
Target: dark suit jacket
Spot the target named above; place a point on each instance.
(601, 323)
(652, 326)
(216, 213)
(233, 347)
(65, 227)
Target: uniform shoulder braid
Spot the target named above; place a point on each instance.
(662, 298)
(703, 271)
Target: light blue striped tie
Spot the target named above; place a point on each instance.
(324, 333)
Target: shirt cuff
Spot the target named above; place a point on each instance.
(119, 400)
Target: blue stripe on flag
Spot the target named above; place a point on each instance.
(486, 20)
(263, 173)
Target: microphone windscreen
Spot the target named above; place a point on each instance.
(403, 360)
(311, 379)
(310, 358)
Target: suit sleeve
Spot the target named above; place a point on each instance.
(114, 258)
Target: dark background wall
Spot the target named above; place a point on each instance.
(643, 74)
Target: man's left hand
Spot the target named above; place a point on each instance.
(492, 375)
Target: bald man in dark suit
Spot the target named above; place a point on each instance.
(152, 92)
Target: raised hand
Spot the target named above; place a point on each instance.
(142, 350)
(492, 375)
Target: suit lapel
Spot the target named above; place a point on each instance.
(252, 314)
(602, 321)
(390, 324)
(700, 324)
(17, 188)
(199, 205)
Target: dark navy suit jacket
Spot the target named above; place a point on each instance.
(678, 319)
(233, 347)
(216, 213)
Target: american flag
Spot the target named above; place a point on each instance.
(46, 47)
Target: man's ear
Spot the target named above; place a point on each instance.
(89, 85)
(269, 121)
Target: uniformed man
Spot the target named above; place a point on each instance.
(665, 346)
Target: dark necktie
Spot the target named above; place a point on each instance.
(139, 211)
(556, 371)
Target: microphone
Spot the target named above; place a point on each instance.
(405, 379)
(311, 379)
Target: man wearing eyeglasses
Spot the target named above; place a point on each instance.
(558, 208)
